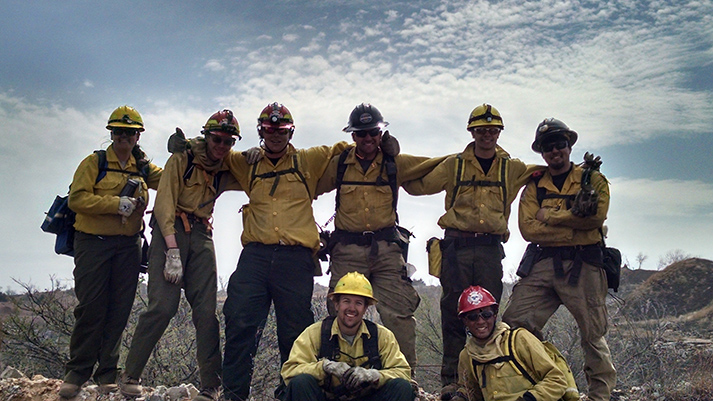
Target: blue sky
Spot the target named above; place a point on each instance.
(635, 79)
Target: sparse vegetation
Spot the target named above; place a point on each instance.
(660, 337)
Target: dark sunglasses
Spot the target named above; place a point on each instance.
(549, 147)
(473, 316)
(225, 141)
(363, 133)
(124, 131)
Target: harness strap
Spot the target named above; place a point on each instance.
(460, 182)
(276, 174)
(388, 164)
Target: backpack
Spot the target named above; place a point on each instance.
(571, 393)
(60, 218)
(329, 345)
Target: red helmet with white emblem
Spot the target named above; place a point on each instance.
(475, 297)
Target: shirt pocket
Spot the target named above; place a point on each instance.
(111, 184)
(348, 199)
(493, 198)
(380, 201)
(292, 187)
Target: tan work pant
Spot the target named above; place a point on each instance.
(397, 298)
(536, 297)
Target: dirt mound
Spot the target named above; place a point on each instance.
(685, 287)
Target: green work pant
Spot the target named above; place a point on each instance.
(476, 265)
(397, 298)
(106, 271)
(200, 286)
(536, 297)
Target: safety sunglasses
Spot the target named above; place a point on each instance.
(549, 147)
(473, 316)
(225, 141)
(124, 131)
(272, 130)
(363, 133)
(482, 131)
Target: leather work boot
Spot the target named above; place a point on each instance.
(68, 390)
(129, 386)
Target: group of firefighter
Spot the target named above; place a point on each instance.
(561, 213)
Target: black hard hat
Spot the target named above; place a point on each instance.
(364, 117)
(551, 128)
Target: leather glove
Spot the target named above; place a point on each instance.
(585, 202)
(592, 162)
(126, 206)
(334, 368)
(177, 142)
(449, 392)
(253, 155)
(173, 269)
(358, 378)
(389, 145)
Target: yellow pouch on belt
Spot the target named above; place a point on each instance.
(433, 247)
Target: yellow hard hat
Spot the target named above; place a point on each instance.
(485, 115)
(125, 117)
(354, 283)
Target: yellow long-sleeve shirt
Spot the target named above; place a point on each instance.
(303, 356)
(97, 203)
(369, 207)
(194, 195)
(280, 208)
(480, 209)
(503, 381)
(561, 227)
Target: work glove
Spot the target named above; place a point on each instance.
(358, 378)
(126, 206)
(389, 145)
(253, 155)
(592, 162)
(334, 368)
(173, 269)
(177, 142)
(449, 392)
(585, 202)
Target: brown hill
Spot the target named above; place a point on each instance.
(682, 288)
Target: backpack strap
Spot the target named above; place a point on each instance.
(460, 182)
(216, 178)
(104, 167)
(276, 174)
(508, 357)
(388, 164)
(329, 345)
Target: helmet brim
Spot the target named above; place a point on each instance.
(570, 136)
(124, 125)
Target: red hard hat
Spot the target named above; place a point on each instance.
(475, 297)
(275, 115)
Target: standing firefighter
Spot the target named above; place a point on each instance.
(367, 239)
(182, 255)
(562, 217)
(480, 184)
(107, 249)
(279, 241)
(346, 357)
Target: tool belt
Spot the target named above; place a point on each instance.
(189, 219)
(366, 238)
(591, 254)
(468, 238)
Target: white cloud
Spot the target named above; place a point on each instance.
(290, 37)
(214, 65)
(88, 84)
